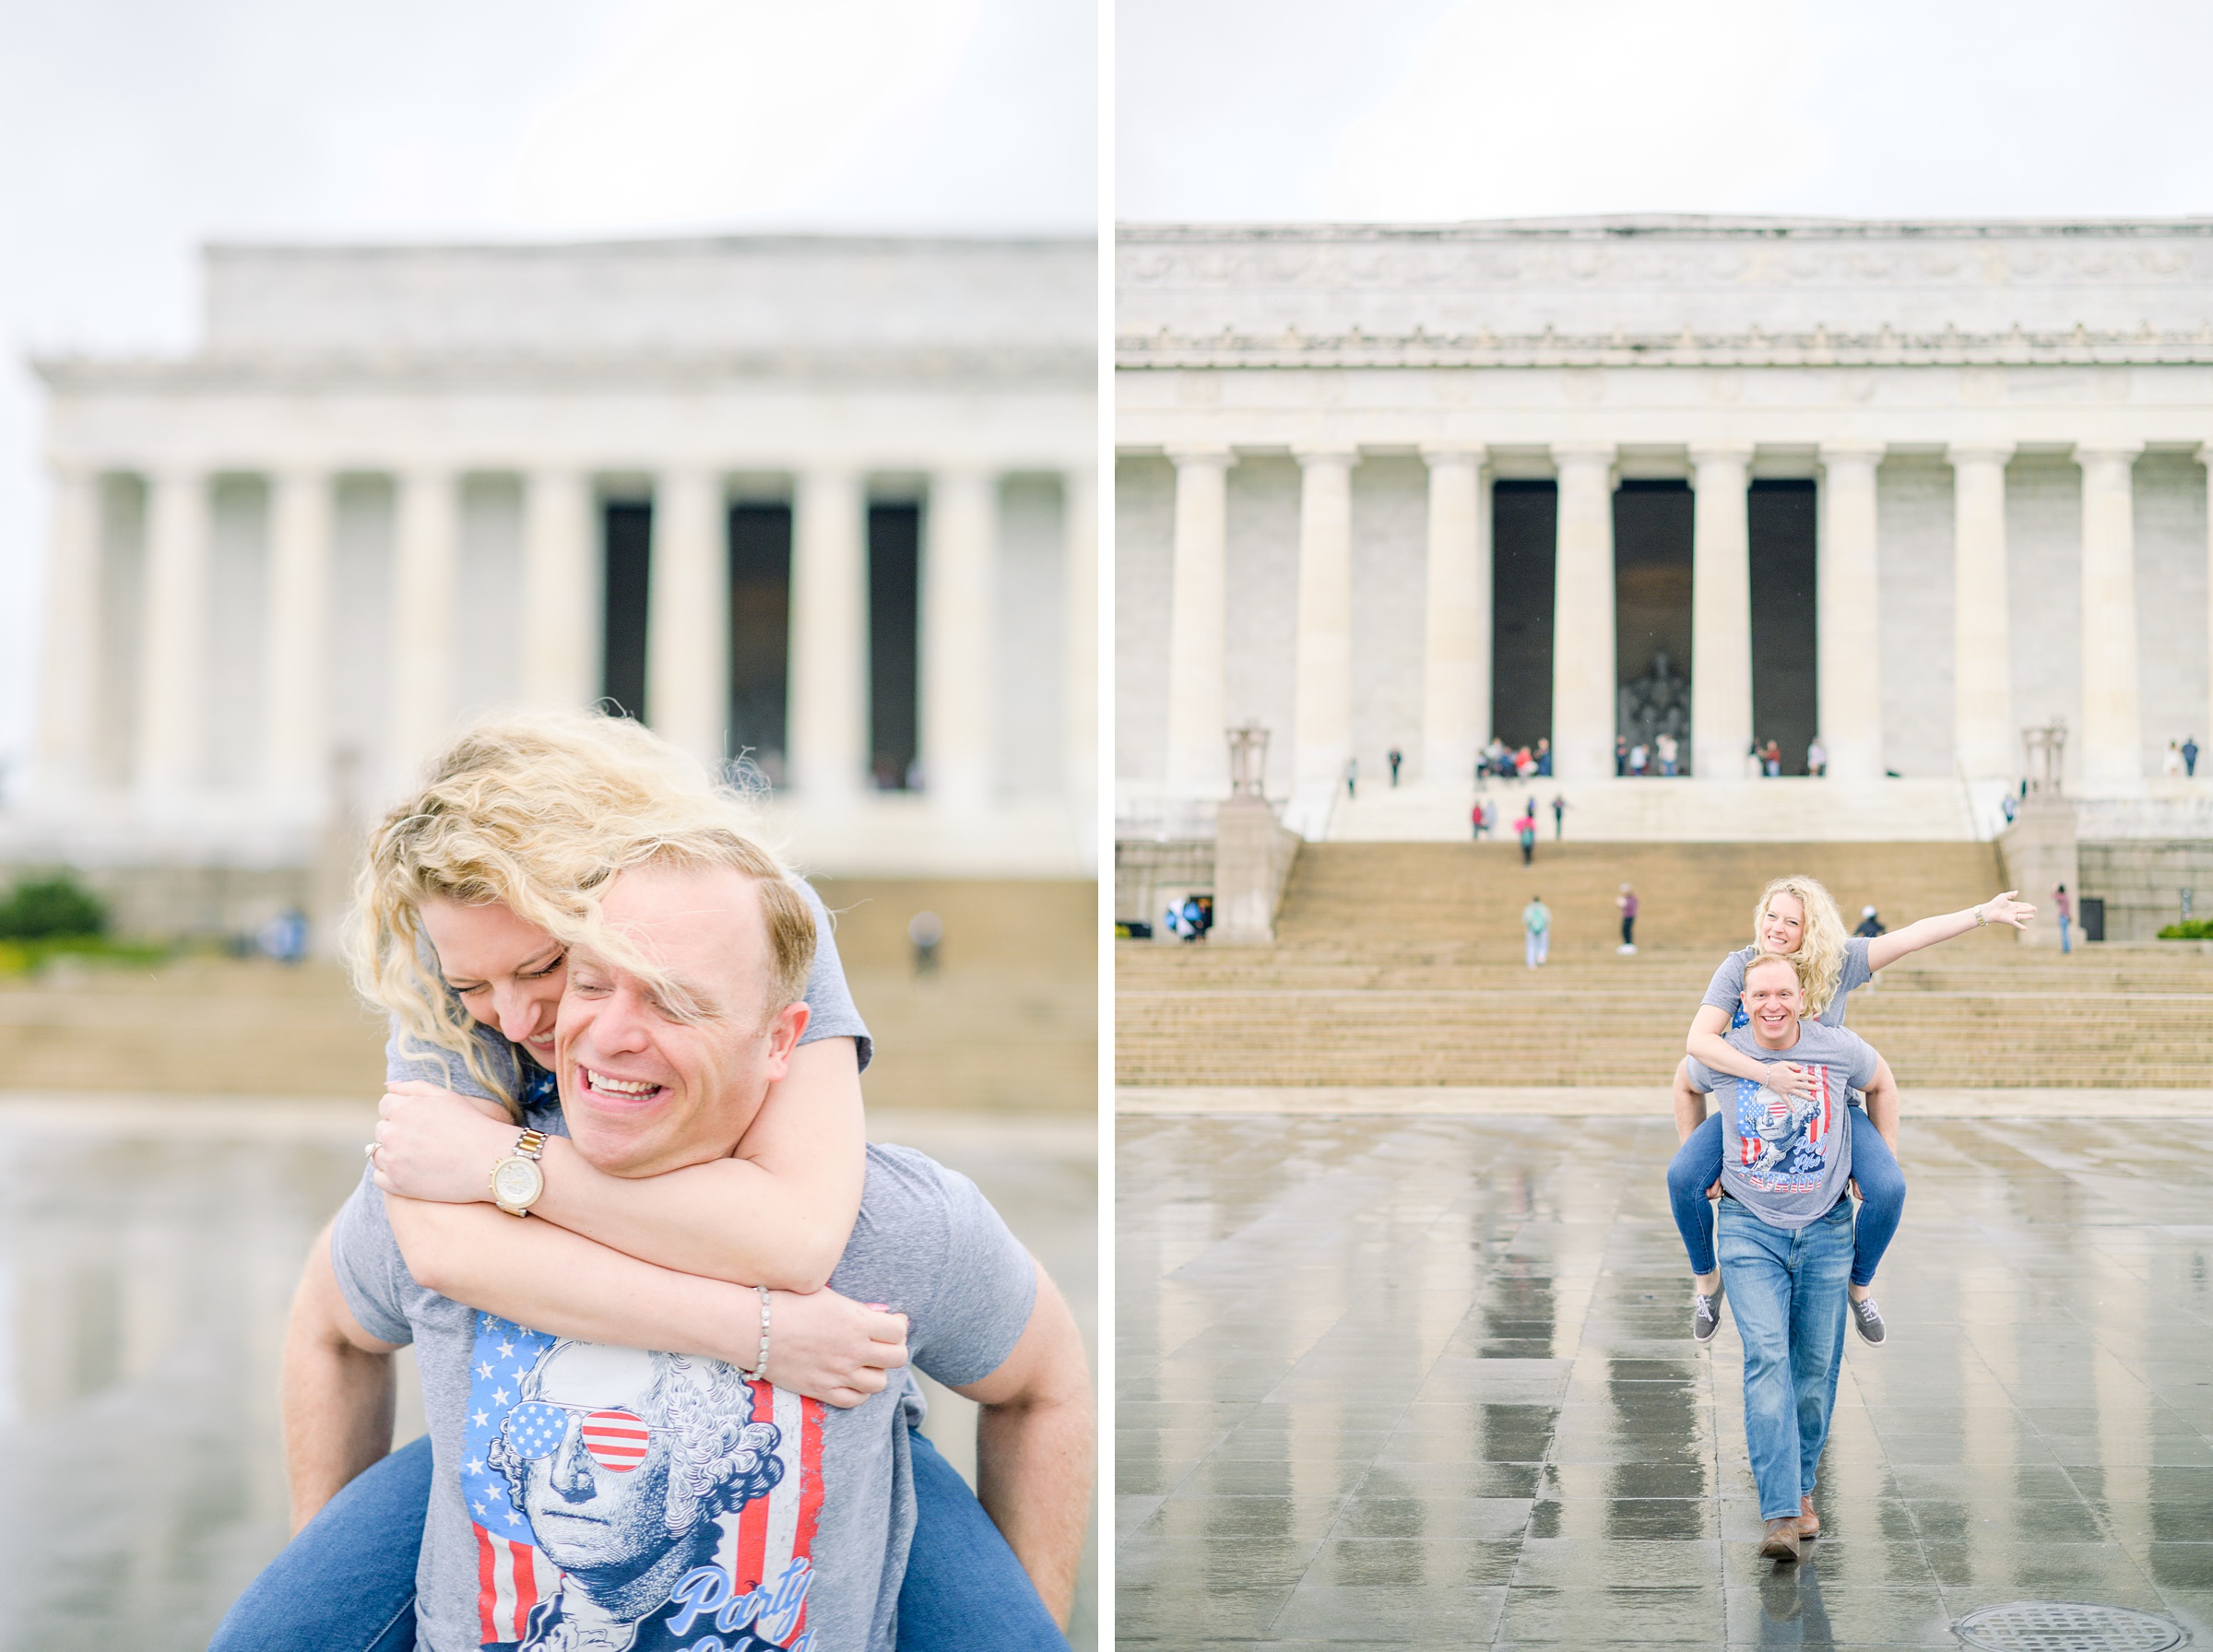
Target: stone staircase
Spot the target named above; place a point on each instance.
(1402, 964)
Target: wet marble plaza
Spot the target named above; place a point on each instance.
(149, 1250)
(1428, 1381)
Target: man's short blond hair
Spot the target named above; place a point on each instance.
(1798, 967)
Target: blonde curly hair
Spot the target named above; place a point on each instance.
(1820, 955)
(538, 812)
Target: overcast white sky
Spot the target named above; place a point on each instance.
(133, 130)
(1459, 109)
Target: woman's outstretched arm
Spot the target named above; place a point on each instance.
(1884, 949)
(777, 1213)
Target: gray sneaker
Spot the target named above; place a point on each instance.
(1706, 1316)
(1867, 1320)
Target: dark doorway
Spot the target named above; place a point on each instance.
(1524, 542)
(895, 652)
(1785, 695)
(760, 633)
(628, 538)
(1653, 522)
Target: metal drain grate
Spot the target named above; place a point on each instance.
(2064, 1626)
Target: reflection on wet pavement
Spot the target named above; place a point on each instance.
(1430, 1381)
(147, 1255)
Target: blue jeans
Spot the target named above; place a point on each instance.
(347, 1582)
(2063, 944)
(1698, 1165)
(1786, 1289)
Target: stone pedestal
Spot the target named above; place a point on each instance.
(2040, 854)
(1253, 852)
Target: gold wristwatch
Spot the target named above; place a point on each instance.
(518, 1180)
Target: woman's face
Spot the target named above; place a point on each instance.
(508, 974)
(1781, 926)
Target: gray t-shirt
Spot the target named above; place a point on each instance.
(588, 1497)
(1727, 990)
(1787, 1161)
(830, 1014)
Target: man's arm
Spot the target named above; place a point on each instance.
(1882, 1102)
(1033, 1448)
(337, 1390)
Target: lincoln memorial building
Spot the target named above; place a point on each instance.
(826, 503)
(1902, 489)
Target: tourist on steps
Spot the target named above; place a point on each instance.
(1786, 1229)
(1536, 931)
(1796, 918)
(1625, 903)
(1526, 829)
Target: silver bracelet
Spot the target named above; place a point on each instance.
(759, 1374)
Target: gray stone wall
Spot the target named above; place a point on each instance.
(2043, 583)
(2141, 883)
(1914, 539)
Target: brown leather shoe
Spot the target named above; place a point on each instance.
(1809, 1523)
(1782, 1540)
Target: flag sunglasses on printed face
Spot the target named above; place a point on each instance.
(617, 1439)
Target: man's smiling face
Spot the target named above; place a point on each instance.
(1774, 1001)
(645, 1090)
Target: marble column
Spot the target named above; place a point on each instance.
(1721, 612)
(1198, 607)
(960, 581)
(296, 650)
(1079, 636)
(1847, 612)
(69, 712)
(829, 637)
(1456, 616)
(688, 615)
(427, 534)
(1985, 743)
(1323, 695)
(172, 682)
(2113, 725)
(563, 647)
(1583, 666)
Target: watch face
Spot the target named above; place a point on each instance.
(516, 1182)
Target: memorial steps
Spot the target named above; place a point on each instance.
(1400, 965)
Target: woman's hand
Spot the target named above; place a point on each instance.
(2004, 909)
(1789, 1081)
(432, 1144)
(828, 1347)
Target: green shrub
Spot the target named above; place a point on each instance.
(46, 907)
(2189, 929)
